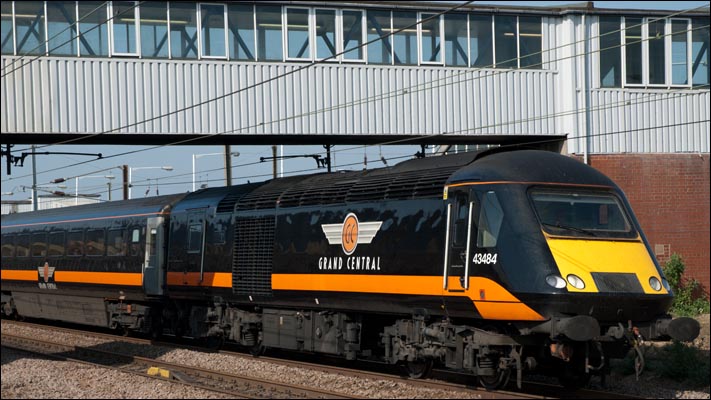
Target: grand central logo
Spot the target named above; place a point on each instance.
(349, 235)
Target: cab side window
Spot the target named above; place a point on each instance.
(490, 220)
(461, 221)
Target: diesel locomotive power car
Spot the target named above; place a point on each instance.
(484, 263)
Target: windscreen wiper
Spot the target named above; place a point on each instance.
(570, 228)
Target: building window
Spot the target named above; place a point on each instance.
(431, 38)
(93, 34)
(405, 41)
(124, 28)
(56, 244)
(297, 34)
(633, 50)
(212, 28)
(656, 46)
(154, 30)
(269, 37)
(325, 34)
(353, 35)
(61, 28)
(530, 42)
(610, 64)
(655, 52)
(183, 31)
(455, 40)
(700, 59)
(378, 25)
(240, 21)
(481, 41)
(29, 25)
(7, 35)
(679, 50)
(505, 28)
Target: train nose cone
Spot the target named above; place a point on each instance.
(684, 329)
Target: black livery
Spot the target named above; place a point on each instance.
(485, 263)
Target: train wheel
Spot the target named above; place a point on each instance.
(496, 381)
(420, 369)
(257, 350)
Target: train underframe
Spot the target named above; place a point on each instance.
(572, 348)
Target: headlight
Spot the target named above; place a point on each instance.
(576, 281)
(655, 284)
(555, 281)
(666, 285)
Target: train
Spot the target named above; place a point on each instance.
(493, 263)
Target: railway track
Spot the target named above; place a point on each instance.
(532, 389)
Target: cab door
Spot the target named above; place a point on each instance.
(458, 240)
(197, 227)
(154, 263)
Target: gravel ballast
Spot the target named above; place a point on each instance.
(31, 376)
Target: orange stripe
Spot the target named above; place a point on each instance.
(15, 275)
(525, 183)
(212, 279)
(497, 302)
(102, 278)
(85, 219)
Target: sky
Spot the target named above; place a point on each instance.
(209, 168)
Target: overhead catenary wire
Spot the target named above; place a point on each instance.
(425, 86)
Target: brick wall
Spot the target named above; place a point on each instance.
(669, 194)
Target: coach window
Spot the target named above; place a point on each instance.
(455, 40)
(8, 247)
(95, 242)
(39, 245)
(325, 34)
(183, 30)
(93, 31)
(75, 243)
(240, 21)
(135, 242)
(116, 244)
(490, 220)
(378, 26)
(481, 42)
(29, 25)
(269, 37)
(61, 28)
(405, 42)
(212, 29)
(56, 244)
(353, 31)
(7, 35)
(22, 246)
(297, 34)
(154, 29)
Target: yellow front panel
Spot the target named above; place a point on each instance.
(581, 257)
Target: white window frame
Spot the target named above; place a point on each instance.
(312, 33)
(420, 51)
(200, 35)
(668, 83)
(364, 36)
(668, 56)
(136, 25)
(285, 33)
